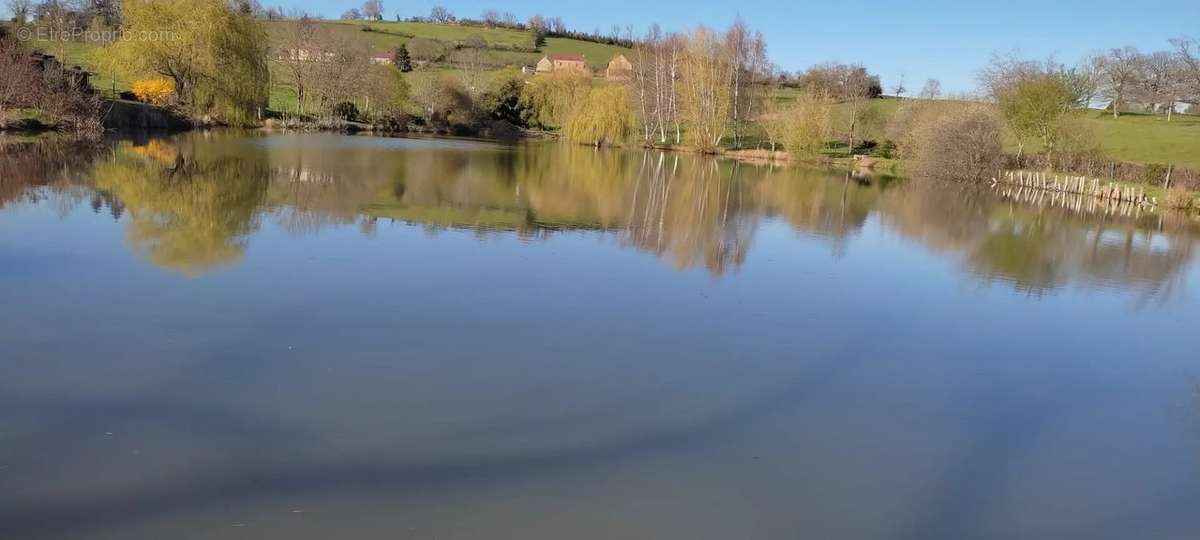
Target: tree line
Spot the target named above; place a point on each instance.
(1122, 77)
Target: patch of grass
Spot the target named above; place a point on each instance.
(597, 54)
(1149, 138)
(1138, 138)
(389, 35)
(452, 33)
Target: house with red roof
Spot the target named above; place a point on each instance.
(563, 62)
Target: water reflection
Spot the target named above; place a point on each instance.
(817, 352)
(194, 202)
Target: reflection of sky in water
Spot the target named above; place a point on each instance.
(847, 375)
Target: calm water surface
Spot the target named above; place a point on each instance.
(311, 337)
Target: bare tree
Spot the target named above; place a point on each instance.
(537, 23)
(20, 10)
(931, 90)
(299, 58)
(352, 14)
(1188, 52)
(341, 62)
(738, 41)
(21, 84)
(440, 14)
(490, 17)
(656, 73)
(1007, 70)
(1084, 80)
(373, 10)
(749, 67)
(1121, 69)
(1161, 82)
(650, 84)
(899, 90)
(470, 59)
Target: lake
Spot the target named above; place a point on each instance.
(224, 335)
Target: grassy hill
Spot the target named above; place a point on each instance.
(511, 48)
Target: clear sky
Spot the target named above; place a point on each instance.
(947, 40)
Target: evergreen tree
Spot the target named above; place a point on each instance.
(403, 60)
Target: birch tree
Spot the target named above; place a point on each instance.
(297, 56)
(704, 92)
(654, 86)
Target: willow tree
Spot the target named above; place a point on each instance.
(704, 90)
(216, 55)
(187, 212)
(549, 99)
(806, 125)
(603, 117)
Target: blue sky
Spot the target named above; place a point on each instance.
(946, 40)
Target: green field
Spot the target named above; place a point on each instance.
(510, 44)
(1140, 138)
(1149, 138)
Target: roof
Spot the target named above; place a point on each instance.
(567, 57)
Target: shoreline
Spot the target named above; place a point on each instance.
(860, 164)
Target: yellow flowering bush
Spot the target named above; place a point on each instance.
(154, 91)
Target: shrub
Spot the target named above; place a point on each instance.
(502, 99)
(444, 102)
(75, 110)
(1178, 198)
(1154, 173)
(387, 92)
(961, 143)
(346, 110)
(427, 50)
(154, 91)
(807, 125)
(21, 85)
(1075, 144)
(901, 130)
(886, 150)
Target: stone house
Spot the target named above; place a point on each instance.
(562, 62)
(382, 58)
(619, 69)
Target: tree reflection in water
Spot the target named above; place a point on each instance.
(193, 203)
(188, 211)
